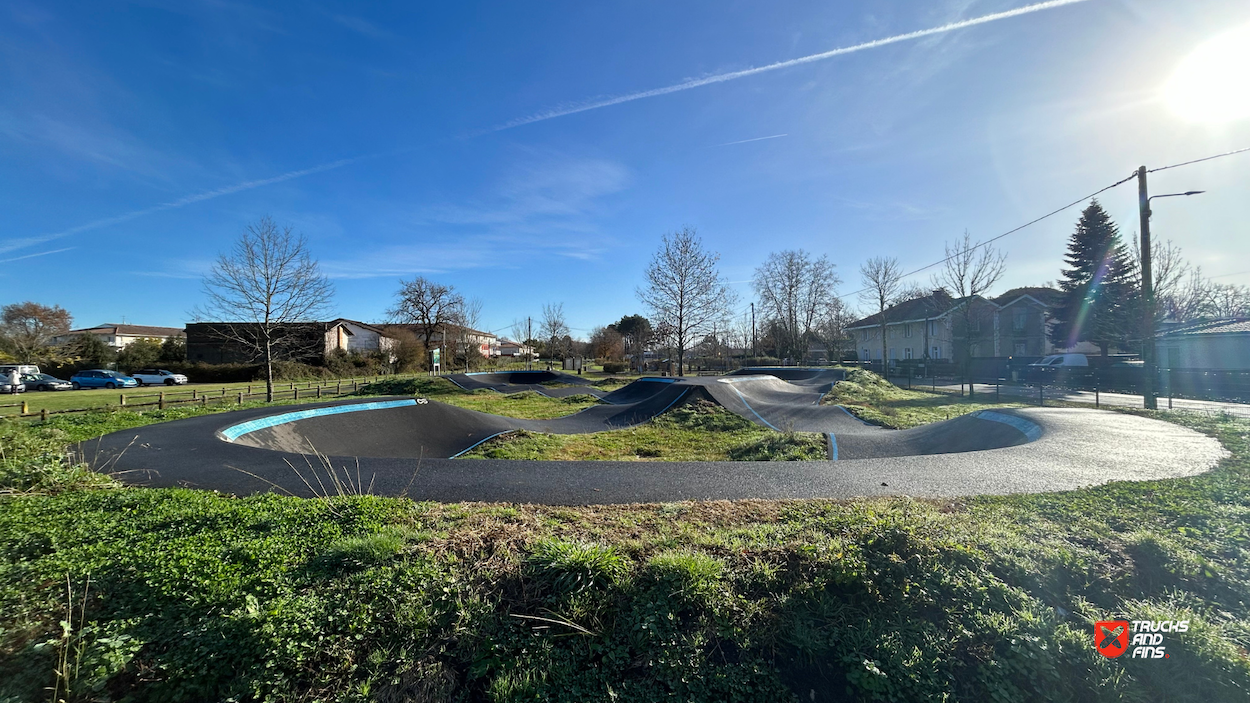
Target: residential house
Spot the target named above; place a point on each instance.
(120, 336)
(515, 349)
(940, 327)
(1222, 344)
(308, 342)
(485, 343)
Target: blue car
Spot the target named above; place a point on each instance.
(100, 378)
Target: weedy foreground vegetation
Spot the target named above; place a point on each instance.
(111, 593)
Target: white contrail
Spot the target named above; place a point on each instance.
(14, 244)
(42, 253)
(757, 139)
(9, 245)
(734, 75)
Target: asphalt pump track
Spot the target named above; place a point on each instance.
(407, 446)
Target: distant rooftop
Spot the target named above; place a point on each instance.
(1232, 325)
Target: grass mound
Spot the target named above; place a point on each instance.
(698, 431)
(873, 399)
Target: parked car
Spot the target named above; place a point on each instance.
(156, 377)
(101, 378)
(44, 382)
(5, 387)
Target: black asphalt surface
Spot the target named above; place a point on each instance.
(406, 450)
(519, 381)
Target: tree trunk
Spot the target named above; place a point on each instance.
(885, 372)
(268, 371)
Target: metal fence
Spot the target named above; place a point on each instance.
(1191, 384)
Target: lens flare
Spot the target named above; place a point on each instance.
(1212, 84)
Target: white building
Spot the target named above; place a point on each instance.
(121, 336)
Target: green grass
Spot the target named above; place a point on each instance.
(695, 432)
(527, 405)
(184, 596)
(101, 397)
(873, 399)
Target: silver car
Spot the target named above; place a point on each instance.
(45, 382)
(7, 389)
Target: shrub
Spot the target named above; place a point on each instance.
(615, 367)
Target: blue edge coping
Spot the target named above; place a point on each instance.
(234, 432)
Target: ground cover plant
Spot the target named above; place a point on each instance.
(873, 399)
(160, 594)
(699, 431)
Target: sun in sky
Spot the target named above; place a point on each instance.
(1212, 84)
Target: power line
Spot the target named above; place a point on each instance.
(1195, 161)
(1052, 213)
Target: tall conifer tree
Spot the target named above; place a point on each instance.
(1096, 304)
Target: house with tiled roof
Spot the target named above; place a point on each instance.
(1219, 344)
(941, 327)
(120, 336)
(310, 342)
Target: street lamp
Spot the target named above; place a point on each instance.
(1149, 397)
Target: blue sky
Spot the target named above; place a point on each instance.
(138, 139)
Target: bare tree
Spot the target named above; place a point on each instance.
(830, 329)
(554, 329)
(431, 306)
(685, 292)
(262, 290)
(796, 293)
(970, 270)
(882, 279)
(1229, 300)
(464, 320)
(27, 329)
(1191, 298)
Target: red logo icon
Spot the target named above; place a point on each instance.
(1111, 637)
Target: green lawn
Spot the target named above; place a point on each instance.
(180, 595)
(696, 432)
(100, 397)
(873, 399)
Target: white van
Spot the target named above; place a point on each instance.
(23, 369)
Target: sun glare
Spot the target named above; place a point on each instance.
(1212, 84)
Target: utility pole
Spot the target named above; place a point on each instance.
(754, 354)
(529, 334)
(1149, 398)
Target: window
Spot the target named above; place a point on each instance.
(867, 354)
(863, 335)
(893, 353)
(936, 353)
(907, 353)
(1018, 319)
(907, 331)
(976, 324)
(932, 328)
(1021, 349)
